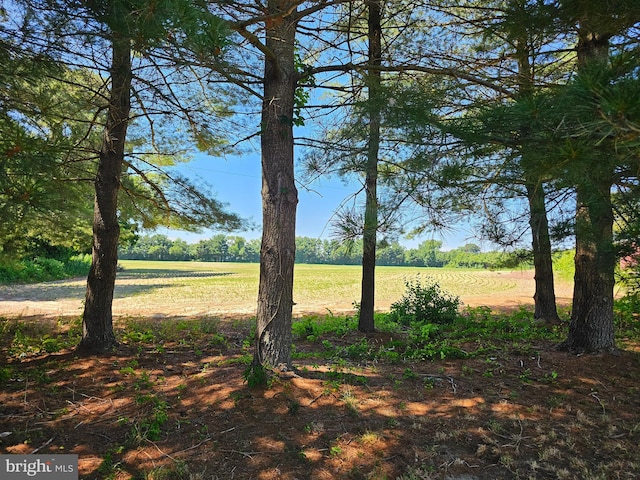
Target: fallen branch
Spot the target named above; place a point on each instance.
(246, 454)
(43, 445)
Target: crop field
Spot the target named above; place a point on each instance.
(230, 289)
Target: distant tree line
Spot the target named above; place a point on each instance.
(232, 248)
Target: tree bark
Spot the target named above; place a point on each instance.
(97, 323)
(591, 328)
(366, 321)
(544, 297)
(279, 193)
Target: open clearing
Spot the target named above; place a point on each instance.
(171, 402)
(231, 289)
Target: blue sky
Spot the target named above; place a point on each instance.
(236, 181)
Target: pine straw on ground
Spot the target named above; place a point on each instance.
(182, 410)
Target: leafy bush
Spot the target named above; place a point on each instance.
(41, 269)
(425, 302)
(78, 265)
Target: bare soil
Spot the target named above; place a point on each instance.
(521, 411)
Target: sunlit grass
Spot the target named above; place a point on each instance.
(233, 287)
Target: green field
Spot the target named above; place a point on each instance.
(317, 288)
(201, 288)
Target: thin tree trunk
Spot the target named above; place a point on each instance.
(279, 194)
(544, 296)
(97, 326)
(367, 299)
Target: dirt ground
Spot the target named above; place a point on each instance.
(182, 410)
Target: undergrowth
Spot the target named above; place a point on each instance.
(42, 269)
(158, 411)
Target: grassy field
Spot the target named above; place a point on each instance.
(203, 288)
(317, 288)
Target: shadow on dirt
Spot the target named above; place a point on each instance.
(71, 289)
(144, 273)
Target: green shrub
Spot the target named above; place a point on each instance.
(78, 265)
(424, 302)
(256, 376)
(49, 267)
(41, 269)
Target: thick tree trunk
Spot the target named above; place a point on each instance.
(279, 194)
(544, 296)
(97, 326)
(591, 329)
(369, 235)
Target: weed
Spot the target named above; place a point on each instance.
(255, 375)
(109, 468)
(467, 370)
(209, 325)
(369, 438)
(150, 427)
(6, 373)
(128, 370)
(525, 376)
(425, 302)
(409, 374)
(350, 403)
(314, 327)
(293, 406)
(51, 344)
(217, 339)
(134, 335)
(181, 389)
(143, 382)
(429, 383)
(335, 450)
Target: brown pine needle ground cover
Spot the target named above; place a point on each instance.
(172, 401)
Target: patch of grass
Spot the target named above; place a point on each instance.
(26, 338)
(314, 327)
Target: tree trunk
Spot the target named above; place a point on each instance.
(591, 329)
(367, 299)
(544, 296)
(97, 326)
(279, 193)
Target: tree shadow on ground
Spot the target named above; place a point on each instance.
(181, 409)
(143, 273)
(75, 289)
